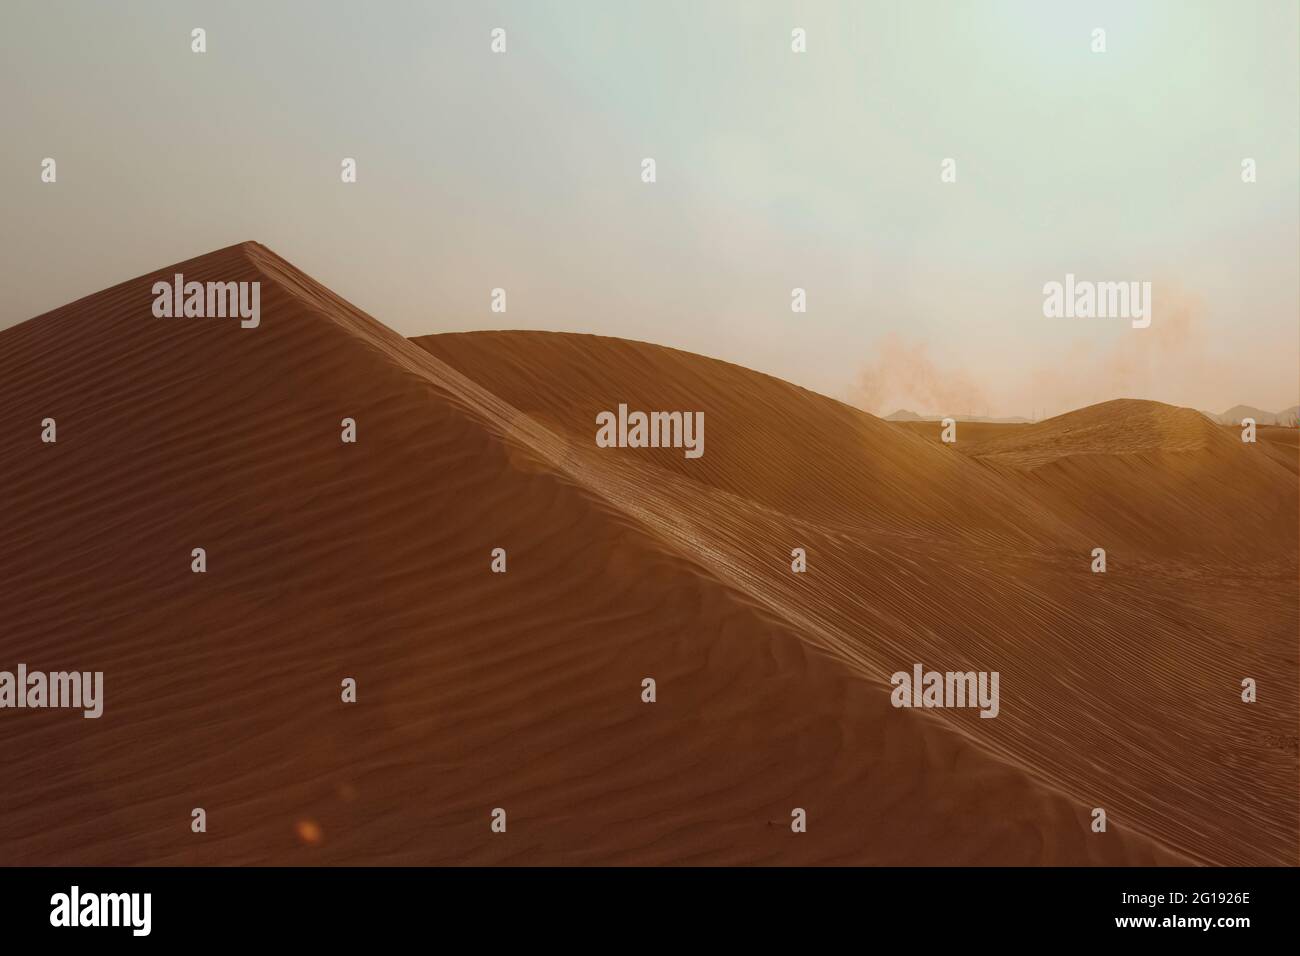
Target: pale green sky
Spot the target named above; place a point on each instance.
(775, 170)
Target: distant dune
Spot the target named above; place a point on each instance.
(523, 690)
(903, 415)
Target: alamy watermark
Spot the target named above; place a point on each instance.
(212, 300)
(1084, 299)
(79, 690)
(923, 688)
(75, 908)
(651, 430)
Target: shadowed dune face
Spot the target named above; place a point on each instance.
(523, 690)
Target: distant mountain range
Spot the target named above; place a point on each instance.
(1234, 415)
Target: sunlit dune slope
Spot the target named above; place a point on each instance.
(770, 442)
(1119, 427)
(1165, 480)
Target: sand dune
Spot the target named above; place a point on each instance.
(1164, 480)
(522, 690)
(1128, 683)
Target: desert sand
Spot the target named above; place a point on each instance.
(522, 690)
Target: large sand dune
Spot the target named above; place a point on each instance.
(523, 690)
(978, 555)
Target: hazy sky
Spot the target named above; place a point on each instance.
(775, 170)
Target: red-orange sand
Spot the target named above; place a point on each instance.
(522, 690)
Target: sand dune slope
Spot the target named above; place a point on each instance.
(476, 690)
(842, 468)
(1122, 688)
